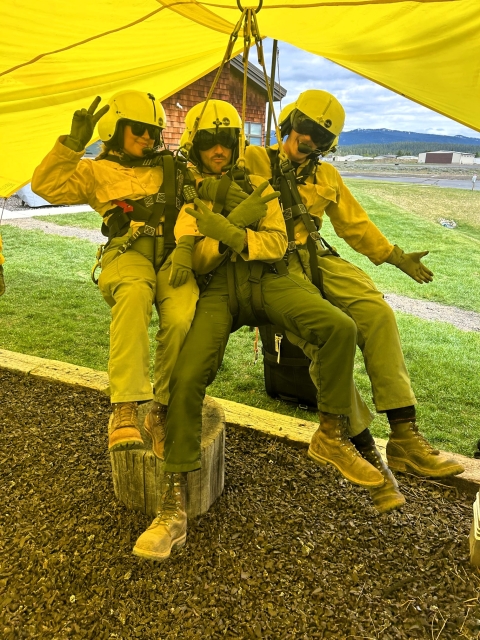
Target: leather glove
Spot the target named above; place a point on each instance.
(207, 190)
(411, 264)
(253, 208)
(2, 281)
(83, 124)
(214, 225)
(182, 262)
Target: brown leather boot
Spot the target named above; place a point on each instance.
(123, 430)
(388, 497)
(155, 427)
(330, 445)
(169, 529)
(407, 449)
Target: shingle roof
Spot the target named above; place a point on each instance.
(256, 75)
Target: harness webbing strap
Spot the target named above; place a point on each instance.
(221, 195)
(293, 208)
(256, 273)
(232, 294)
(172, 202)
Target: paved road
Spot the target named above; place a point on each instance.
(424, 181)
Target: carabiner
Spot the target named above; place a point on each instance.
(239, 5)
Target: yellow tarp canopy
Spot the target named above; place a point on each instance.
(57, 56)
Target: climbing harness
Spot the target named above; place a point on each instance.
(143, 216)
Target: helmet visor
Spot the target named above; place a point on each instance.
(319, 135)
(205, 139)
(139, 128)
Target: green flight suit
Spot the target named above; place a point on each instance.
(290, 302)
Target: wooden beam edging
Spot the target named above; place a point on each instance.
(292, 430)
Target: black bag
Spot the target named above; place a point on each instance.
(288, 380)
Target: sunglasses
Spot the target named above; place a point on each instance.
(304, 125)
(205, 139)
(139, 128)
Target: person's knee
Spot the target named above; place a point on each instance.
(344, 328)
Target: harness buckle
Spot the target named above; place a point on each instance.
(127, 208)
(315, 236)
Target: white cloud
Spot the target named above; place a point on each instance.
(367, 105)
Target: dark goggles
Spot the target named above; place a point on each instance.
(139, 128)
(205, 139)
(319, 135)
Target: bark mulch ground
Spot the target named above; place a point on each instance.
(289, 551)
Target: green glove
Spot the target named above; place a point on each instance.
(410, 263)
(83, 124)
(253, 208)
(207, 190)
(2, 281)
(182, 262)
(214, 225)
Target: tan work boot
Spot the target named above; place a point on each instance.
(388, 497)
(169, 529)
(155, 427)
(408, 449)
(123, 430)
(330, 445)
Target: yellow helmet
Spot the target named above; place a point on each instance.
(316, 113)
(220, 124)
(131, 105)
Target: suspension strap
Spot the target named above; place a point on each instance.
(232, 293)
(257, 270)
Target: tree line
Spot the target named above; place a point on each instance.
(404, 148)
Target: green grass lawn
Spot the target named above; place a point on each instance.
(53, 310)
(87, 220)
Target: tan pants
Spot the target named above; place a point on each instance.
(353, 291)
(130, 287)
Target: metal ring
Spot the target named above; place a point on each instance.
(239, 5)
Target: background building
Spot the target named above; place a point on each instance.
(446, 157)
(229, 87)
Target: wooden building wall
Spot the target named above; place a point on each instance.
(229, 88)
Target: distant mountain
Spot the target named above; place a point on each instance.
(388, 136)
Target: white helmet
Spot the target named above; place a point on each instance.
(131, 105)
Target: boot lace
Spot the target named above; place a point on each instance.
(343, 439)
(424, 443)
(170, 502)
(125, 414)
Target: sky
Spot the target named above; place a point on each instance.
(367, 105)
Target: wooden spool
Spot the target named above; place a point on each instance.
(138, 473)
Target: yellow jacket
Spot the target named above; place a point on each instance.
(64, 178)
(328, 194)
(267, 244)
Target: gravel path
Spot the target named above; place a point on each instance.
(58, 230)
(290, 551)
(465, 320)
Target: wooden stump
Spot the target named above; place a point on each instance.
(138, 473)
